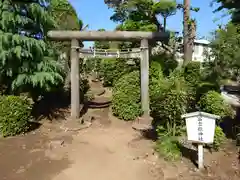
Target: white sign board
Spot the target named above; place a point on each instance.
(200, 127)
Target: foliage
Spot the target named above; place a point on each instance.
(167, 62)
(165, 8)
(112, 69)
(223, 59)
(126, 96)
(27, 62)
(169, 102)
(101, 44)
(219, 138)
(65, 18)
(92, 64)
(138, 15)
(168, 148)
(233, 6)
(192, 73)
(15, 113)
(204, 87)
(213, 103)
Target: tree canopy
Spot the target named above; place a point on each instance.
(232, 5)
(26, 59)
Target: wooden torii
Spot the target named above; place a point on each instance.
(75, 36)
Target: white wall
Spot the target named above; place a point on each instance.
(200, 46)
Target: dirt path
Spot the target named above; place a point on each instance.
(112, 152)
(107, 154)
(109, 150)
(95, 153)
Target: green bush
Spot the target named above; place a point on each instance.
(126, 96)
(212, 102)
(167, 62)
(204, 88)
(169, 101)
(192, 73)
(112, 69)
(168, 148)
(92, 64)
(15, 113)
(219, 138)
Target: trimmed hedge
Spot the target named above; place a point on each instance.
(15, 113)
(113, 69)
(126, 96)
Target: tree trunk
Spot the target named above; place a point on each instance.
(164, 23)
(186, 33)
(192, 36)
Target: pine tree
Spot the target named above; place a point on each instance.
(27, 62)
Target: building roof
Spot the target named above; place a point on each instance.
(202, 41)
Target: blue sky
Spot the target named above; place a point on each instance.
(97, 15)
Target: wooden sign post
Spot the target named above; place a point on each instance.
(200, 130)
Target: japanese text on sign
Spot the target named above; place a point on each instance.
(200, 129)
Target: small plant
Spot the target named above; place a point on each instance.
(219, 138)
(15, 113)
(168, 148)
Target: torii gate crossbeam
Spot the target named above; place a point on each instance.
(75, 36)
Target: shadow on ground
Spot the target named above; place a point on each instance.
(23, 158)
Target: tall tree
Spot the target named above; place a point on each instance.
(189, 30)
(186, 32)
(65, 18)
(225, 53)
(165, 8)
(27, 62)
(140, 15)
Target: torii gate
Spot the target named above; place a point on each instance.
(75, 36)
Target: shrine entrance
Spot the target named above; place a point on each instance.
(76, 52)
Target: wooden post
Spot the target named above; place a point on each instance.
(200, 156)
(144, 62)
(75, 89)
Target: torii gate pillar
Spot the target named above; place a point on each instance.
(144, 61)
(75, 89)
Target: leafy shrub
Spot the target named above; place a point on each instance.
(15, 113)
(168, 148)
(92, 64)
(155, 71)
(112, 69)
(219, 138)
(168, 63)
(169, 102)
(126, 96)
(192, 73)
(212, 102)
(205, 87)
